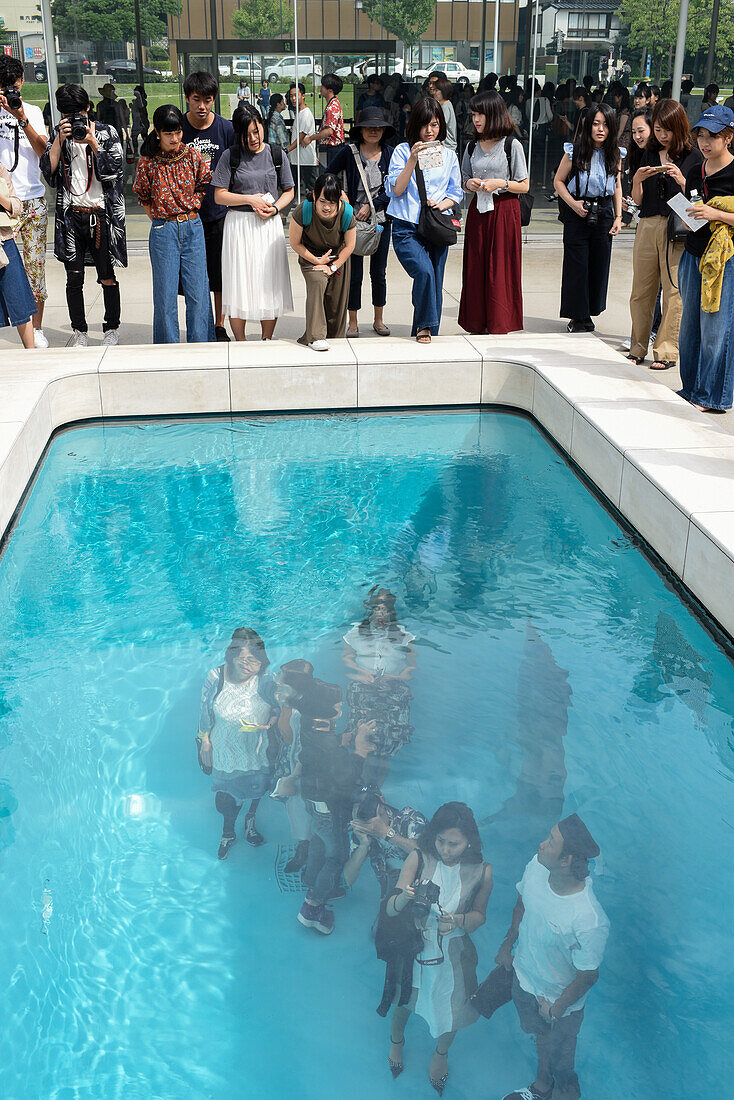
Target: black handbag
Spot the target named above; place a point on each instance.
(439, 227)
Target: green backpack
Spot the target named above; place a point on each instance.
(307, 214)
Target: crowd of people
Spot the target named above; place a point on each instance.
(415, 158)
(284, 735)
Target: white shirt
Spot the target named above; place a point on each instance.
(558, 936)
(305, 124)
(79, 177)
(377, 651)
(27, 179)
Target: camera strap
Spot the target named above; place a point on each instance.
(16, 148)
(437, 961)
(67, 178)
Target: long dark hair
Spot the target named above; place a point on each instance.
(634, 153)
(584, 147)
(424, 110)
(497, 120)
(381, 595)
(245, 637)
(242, 118)
(453, 815)
(166, 120)
(275, 100)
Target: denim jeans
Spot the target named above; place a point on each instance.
(328, 851)
(706, 348)
(425, 264)
(177, 250)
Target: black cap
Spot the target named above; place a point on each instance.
(373, 116)
(577, 840)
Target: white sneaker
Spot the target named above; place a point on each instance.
(111, 338)
(79, 339)
(625, 345)
(319, 345)
(39, 340)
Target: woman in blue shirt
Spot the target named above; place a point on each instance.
(424, 261)
(588, 183)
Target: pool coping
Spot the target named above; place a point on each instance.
(667, 468)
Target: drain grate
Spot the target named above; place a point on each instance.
(287, 884)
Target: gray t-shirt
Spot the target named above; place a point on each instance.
(493, 165)
(256, 173)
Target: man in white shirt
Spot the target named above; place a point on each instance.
(561, 932)
(22, 143)
(303, 128)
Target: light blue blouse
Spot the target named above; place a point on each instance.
(595, 183)
(441, 183)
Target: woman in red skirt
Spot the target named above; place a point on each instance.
(494, 168)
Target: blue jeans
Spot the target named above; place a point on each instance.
(425, 264)
(328, 851)
(177, 249)
(706, 353)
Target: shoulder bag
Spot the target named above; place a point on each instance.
(368, 233)
(439, 227)
(6, 220)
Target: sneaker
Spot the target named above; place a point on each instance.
(319, 345)
(79, 339)
(252, 836)
(317, 917)
(589, 325)
(576, 326)
(528, 1094)
(39, 339)
(298, 860)
(111, 338)
(224, 845)
(221, 334)
(625, 345)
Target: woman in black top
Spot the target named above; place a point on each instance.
(370, 138)
(661, 175)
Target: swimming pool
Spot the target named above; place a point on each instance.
(137, 965)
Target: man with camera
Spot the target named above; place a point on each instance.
(22, 143)
(383, 834)
(84, 163)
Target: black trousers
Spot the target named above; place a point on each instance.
(378, 273)
(91, 236)
(587, 254)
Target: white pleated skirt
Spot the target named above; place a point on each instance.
(256, 282)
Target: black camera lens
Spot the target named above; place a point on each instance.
(78, 127)
(12, 97)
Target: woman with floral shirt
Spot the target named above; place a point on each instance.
(170, 182)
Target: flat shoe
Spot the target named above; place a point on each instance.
(353, 335)
(381, 330)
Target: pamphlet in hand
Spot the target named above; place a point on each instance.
(679, 203)
(431, 156)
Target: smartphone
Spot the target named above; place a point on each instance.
(660, 168)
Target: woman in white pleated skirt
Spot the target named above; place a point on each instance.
(254, 180)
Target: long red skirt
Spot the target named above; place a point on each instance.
(491, 292)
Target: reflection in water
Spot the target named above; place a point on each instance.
(675, 665)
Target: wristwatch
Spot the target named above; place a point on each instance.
(390, 834)
(333, 269)
(23, 123)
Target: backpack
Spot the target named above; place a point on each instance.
(235, 158)
(307, 213)
(526, 200)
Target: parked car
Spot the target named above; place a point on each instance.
(127, 71)
(249, 68)
(453, 70)
(69, 67)
(365, 66)
(283, 69)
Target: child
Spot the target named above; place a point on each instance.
(323, 235)
(706, 273)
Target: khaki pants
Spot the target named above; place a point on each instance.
(650, 270)
(326, 304)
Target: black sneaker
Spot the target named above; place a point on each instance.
(298, 859)
(221, 334)
(589, 325)
(252, 836)
(224, 845)
(317, 917)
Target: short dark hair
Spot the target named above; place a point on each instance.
(685, 85)
(333, 82)
(70, 98)
(374, 78)
(444, 86)
(200, 83)
(452, 815)
(642, 90)
(424, 110)
(497, 120)
(327, 185)
(301, 87)
(10, 70)
(242, 119)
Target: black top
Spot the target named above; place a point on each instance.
(658, 189)
(709, 187)
(330, 772)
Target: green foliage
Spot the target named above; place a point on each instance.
(3, 35)
(406, 19)
(699, 28)
(263, 19)
(103, 21)
(653, 25)
(159, 54)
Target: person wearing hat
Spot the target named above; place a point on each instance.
(561, 931)
(369, 149)
(705, 272)
(108, 110)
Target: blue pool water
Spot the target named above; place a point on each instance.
(136, 965)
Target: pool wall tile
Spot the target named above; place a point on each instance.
(76, 397)
(150, 393)
(285, 353)
(37, 429)
(508, 384)
(389, 384)
(14, 469)
(172, 357)
(598, 458)
(265, 389)
(697, 479)
(709, 569)
(658, 519)
(443, 350)
(553, 411)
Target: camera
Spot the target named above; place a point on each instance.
(592, 206)
(12, 98)
(427, 894)
(78, 126)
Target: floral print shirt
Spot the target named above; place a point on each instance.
(107, 166)
(386, 857)
(334, 117)
(172, 184)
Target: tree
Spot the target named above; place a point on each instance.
(263, 19)
(3, 36)
(653, 25)
(102, 21)
(406, 19)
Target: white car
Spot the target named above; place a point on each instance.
(281, 70)
(453, 70)
(243, 66)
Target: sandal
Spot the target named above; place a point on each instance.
(381, 330)
(396, 1068)
(638, 359)
(661, 364)
(423, 337)
(439, 1083)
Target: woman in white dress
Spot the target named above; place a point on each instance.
(256, 282)
(448, 858)
(238, 713)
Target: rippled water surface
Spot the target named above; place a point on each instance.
(551, 657)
